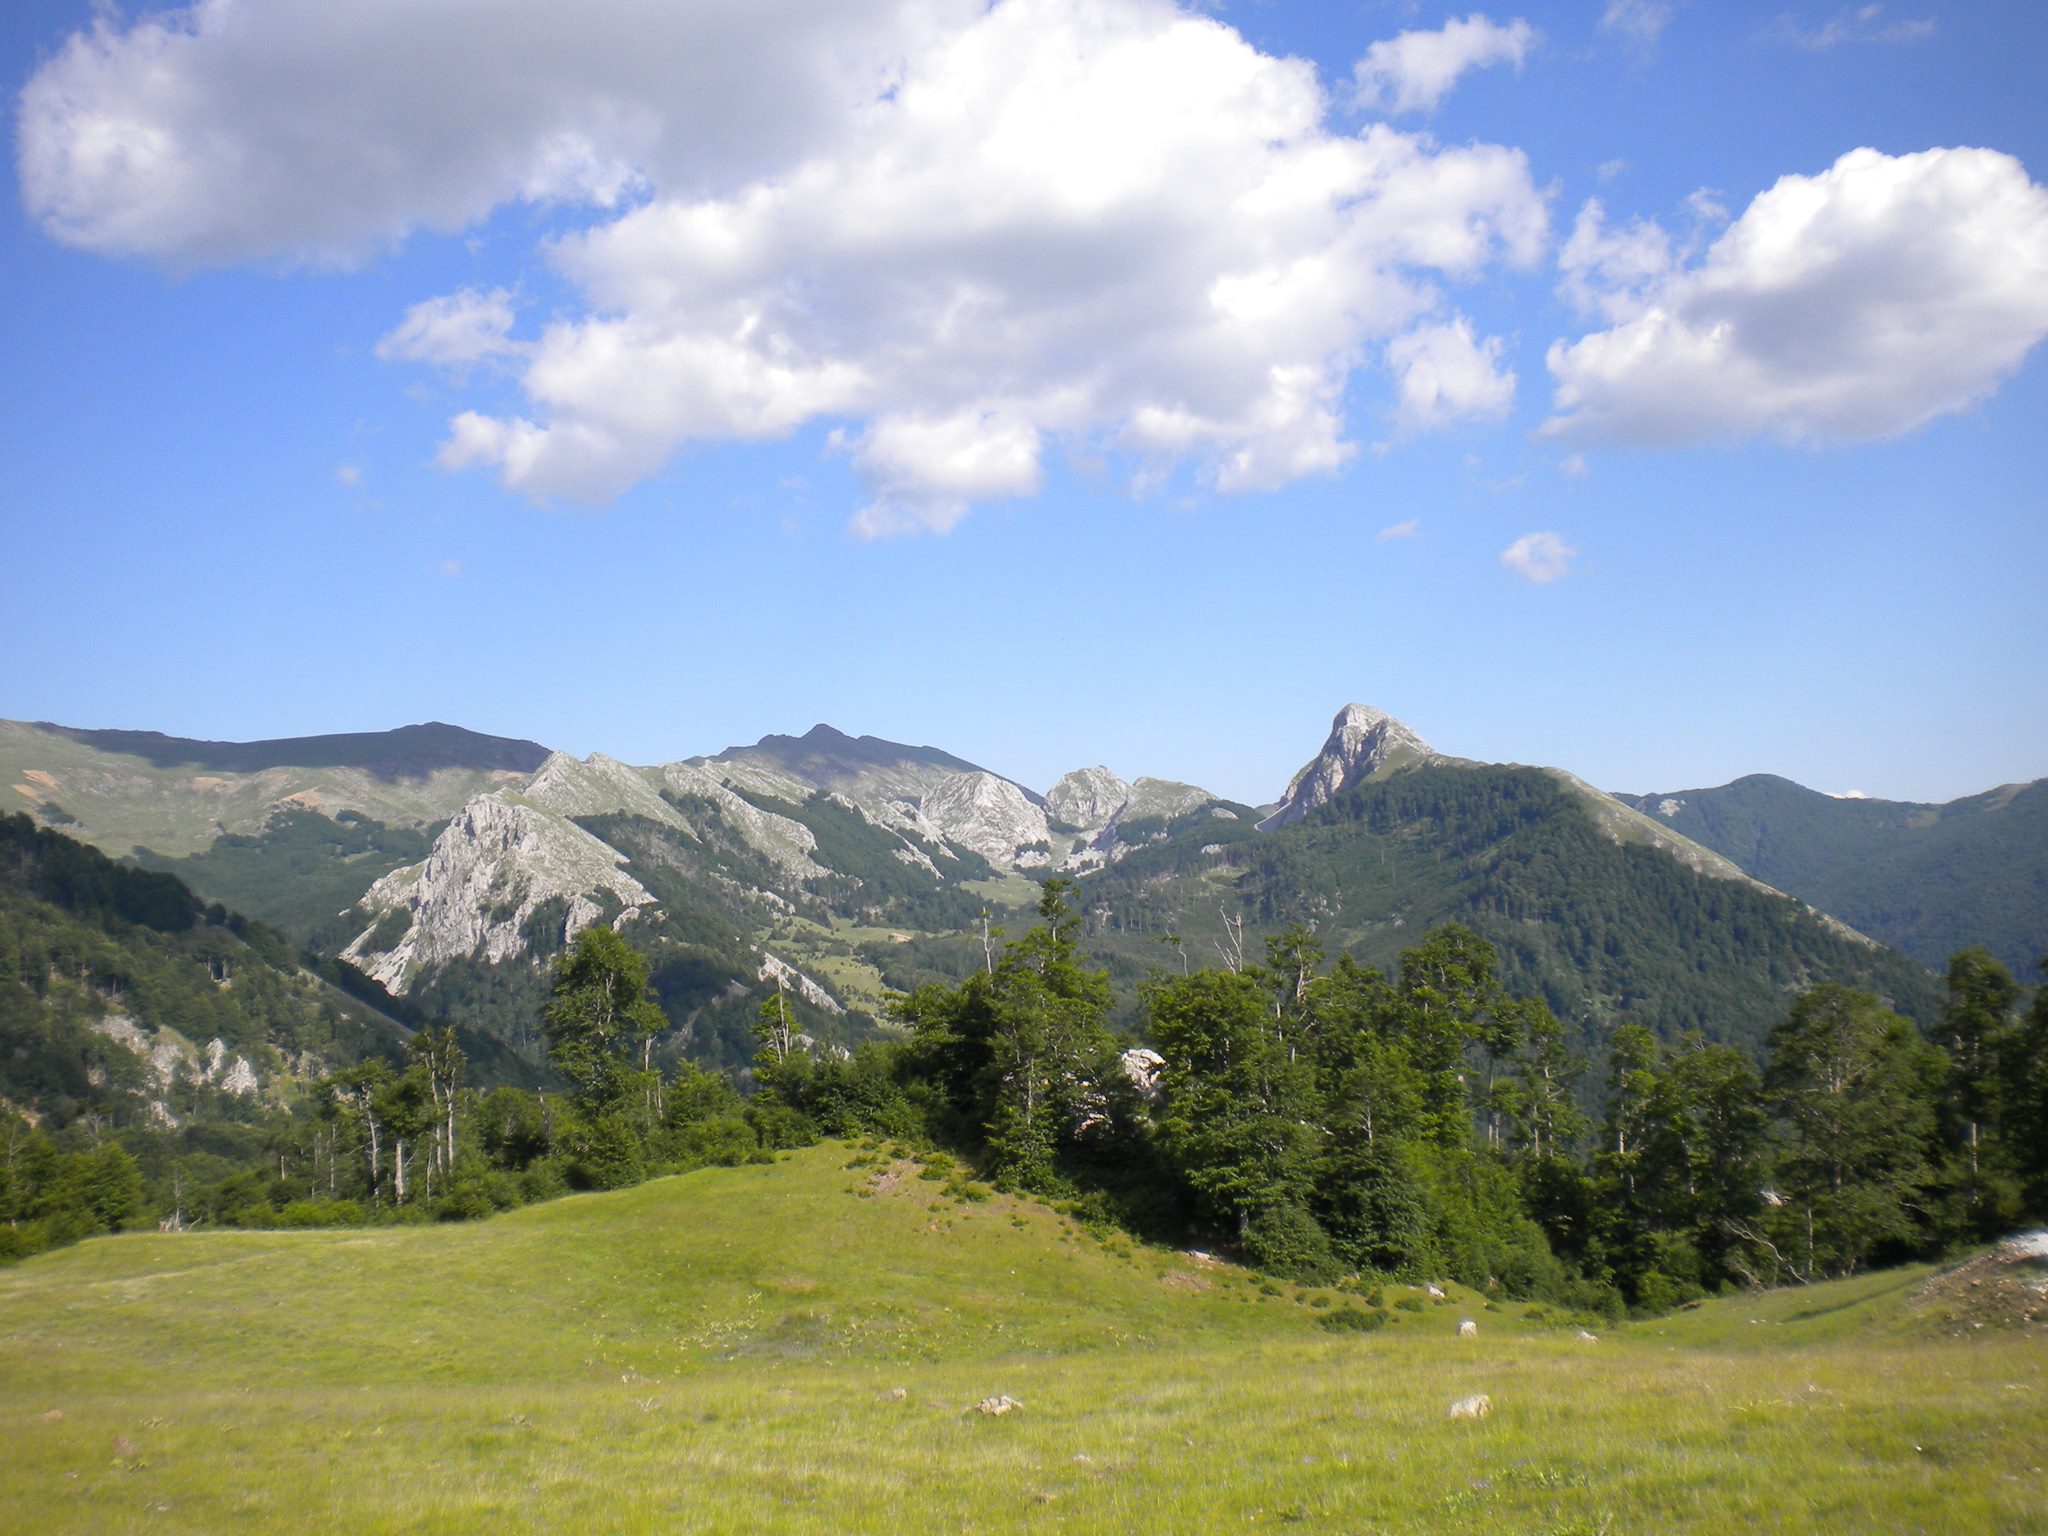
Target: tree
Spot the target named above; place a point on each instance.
(359, 1096)
(600, 1019)
(1976, 1027)
(1239, 1113)
(436, 1051)
(2023, 1077)
(1046, 1045)
(407, 1111)
(1448, 992)
(1854, 1088)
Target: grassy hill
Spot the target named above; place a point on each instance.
(129, 790)
(800, 1346)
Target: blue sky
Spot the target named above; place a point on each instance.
(1051, 383)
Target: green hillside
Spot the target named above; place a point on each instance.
(801, 1347)
(127, 790)
(1607, 932)
(1928, 879)
(94, 954)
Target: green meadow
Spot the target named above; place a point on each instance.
(801, 1346)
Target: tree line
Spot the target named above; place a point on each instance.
(1318, 1117)
(1329, 1118)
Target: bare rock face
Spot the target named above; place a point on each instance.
(789, 843)
(991, 816)
(1363, 742)
(796, 981)
(599, 785)
(1088, 798)
(1142, 1068)
(498, 860)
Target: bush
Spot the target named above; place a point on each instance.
(543, 1180)
(607, 1155)
(321, 1213)
(1286, 1240)
(1350, 1319)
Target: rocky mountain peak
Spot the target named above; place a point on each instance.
(1363, 742)
(1088, 798)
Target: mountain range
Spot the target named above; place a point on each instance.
(444, 866)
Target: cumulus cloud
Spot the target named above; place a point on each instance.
(453, 331)
(1852, 305)
(1116, 223)
(1541, 557)
(1444, 373)
(957, 233)
(313, 131)
(1405, 529)
(1862, 24)
(1413, 72)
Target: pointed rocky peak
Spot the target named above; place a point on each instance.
(1087, 798)
(1364, 742)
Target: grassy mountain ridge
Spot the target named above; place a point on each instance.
(129, 790)
(406, 752)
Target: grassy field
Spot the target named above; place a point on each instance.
(800, 1347)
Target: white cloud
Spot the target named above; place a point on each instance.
(225, 131)
(926, 471)
(1572, 466)
(348, 475)
(1444, 373)
(1413, 72)
(1609, 272)
(1706, 206)
(1641, 22)
(1405, 529)
(1607, 170)
(1842, 307)
(1860, 24)
(453, 331)
(965, 235)
(1541, 557)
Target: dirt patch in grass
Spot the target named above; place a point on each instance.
(2006, 1288)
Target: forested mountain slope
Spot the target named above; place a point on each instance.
(1608, 932)
(124, 999)
(1927, 879)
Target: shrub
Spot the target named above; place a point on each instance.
(1350, 1319)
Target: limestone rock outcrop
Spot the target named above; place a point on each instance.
(1363, 742)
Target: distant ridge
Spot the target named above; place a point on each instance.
(409, 752)
(825, 754)
(1926, 878)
